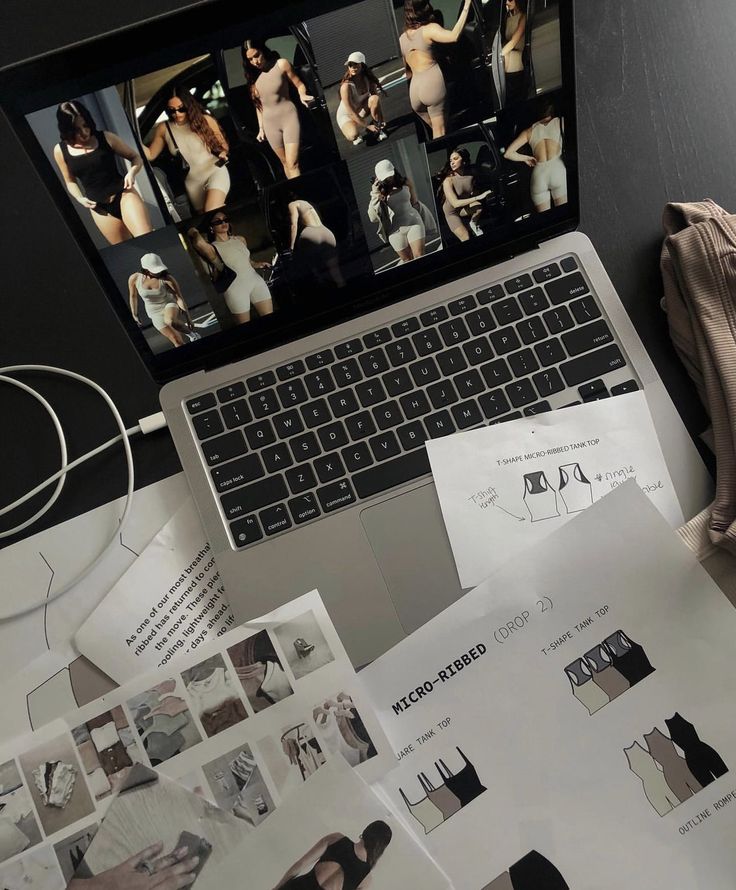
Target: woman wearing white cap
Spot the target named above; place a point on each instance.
(393, 205)
(360, 103)
(163, 300)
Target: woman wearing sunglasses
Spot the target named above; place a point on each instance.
(270, 79)
(163, 300)
(194, 134)
(87, 158)
(248, 290)
(360, 102)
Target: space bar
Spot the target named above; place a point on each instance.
(392, 472)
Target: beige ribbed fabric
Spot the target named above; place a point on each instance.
(699, 271)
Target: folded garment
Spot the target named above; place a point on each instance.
(134, 752)
(81, 734)
(101, 720)
(55, 782)
(698, 266)
(118, 717)
(88, 755)
(171, 706)
(165, 688)
(99, 783)
(166, 725)
(161, 747)
(114, 758)
(125, 734)
(105, 736)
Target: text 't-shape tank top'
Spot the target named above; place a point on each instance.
(272, 87)
(539, 496)
(465, 785)
(354, 870)
(575, 489)
(584, 689)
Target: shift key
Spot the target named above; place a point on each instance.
(594, 364)
(254, 497)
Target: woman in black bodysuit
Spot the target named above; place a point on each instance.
(87, 159)
(335, 856)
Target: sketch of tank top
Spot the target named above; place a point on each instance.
(441, 797)
(629, 657)
(605, 675)
(575, 490)
(658, 792)
(539, 496)
(583, 688)
(676, 771)
(427, 814)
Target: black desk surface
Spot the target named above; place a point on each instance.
(656, 122)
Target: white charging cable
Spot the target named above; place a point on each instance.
(145, 425)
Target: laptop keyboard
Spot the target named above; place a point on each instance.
(339, 426)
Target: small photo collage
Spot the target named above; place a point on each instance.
(300, 157)
(56, 784)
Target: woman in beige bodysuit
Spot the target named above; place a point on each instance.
(427, 88)
(360, 108)
(312, 240)
(461, 205)
(193, 133)
(549, 176)
(269, 78)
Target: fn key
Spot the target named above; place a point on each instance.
(246, 531)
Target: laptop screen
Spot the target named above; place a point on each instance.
(238, 178)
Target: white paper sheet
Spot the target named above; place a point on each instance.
(42, 562)
(486, 680)
(336, 804)
(505, 487)
(246, 739)
(136, 627)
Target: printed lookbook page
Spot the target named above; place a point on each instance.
(569, 723)
(333, 833)
(157, 833)
(504, 488)
(246, 720)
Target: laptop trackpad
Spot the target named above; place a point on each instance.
(408, 538)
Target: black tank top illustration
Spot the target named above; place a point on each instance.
(96, 170)
(465, 785)
(354, 869)
(629, 657)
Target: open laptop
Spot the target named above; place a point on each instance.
(351, 230)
